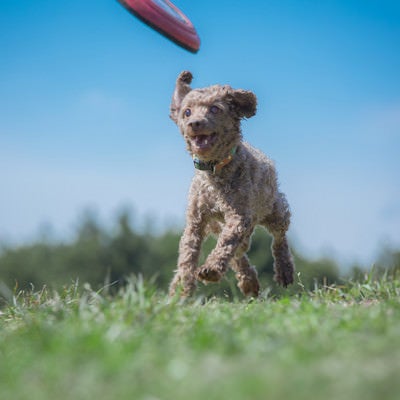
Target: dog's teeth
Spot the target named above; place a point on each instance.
(206, 142)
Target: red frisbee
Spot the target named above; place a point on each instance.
(167, 19)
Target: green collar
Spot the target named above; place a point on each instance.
(213, 166)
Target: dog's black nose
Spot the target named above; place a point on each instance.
(198, 124)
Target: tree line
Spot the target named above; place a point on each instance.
(103, 256)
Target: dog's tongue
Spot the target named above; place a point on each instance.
(202, 140)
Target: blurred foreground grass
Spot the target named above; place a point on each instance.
(332, 343)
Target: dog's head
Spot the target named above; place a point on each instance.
(209, 118)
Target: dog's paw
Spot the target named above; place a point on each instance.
(207, 274)
(284, 274)
(249, 288)
(248, 282)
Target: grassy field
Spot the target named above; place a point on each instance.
(333, 343)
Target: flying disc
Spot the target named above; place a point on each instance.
(167, 19)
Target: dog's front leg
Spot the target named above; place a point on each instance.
(189, 251)
(236, 231)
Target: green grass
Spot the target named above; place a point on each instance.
(333, 343)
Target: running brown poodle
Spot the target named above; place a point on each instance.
(234, 189)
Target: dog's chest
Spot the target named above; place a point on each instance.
(216, 197)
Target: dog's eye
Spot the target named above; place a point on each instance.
(215, 109)
(188, 112)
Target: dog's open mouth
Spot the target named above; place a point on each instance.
(203, 143)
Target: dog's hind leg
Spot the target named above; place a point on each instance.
(277, 224)
(246, 275)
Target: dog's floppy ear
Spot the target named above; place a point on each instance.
(244, 102)
(182, 88)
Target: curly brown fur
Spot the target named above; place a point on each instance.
(231, 201)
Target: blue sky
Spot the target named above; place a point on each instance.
(84, 97)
